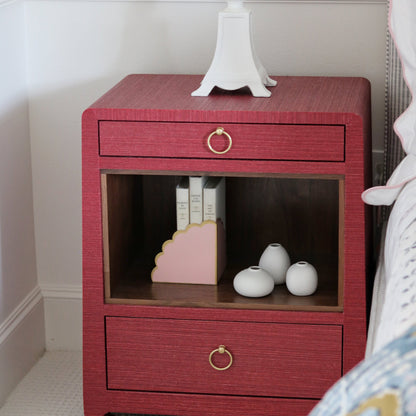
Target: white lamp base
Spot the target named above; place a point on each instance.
(235, 64)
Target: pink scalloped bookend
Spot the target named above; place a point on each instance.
(195, 255)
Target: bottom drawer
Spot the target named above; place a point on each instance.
(278, 360)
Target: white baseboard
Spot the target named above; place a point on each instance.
(61, 291)
(19, 314)
(22, 341)
(63, 317)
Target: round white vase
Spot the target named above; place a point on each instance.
(276, 261)
(253, 282)
(302, 279)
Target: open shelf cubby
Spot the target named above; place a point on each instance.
(302, 212)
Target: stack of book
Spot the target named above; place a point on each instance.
(196, 255)
(198, 199)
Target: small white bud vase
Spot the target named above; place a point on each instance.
(302, 279)
(253, 282)
(276, 261)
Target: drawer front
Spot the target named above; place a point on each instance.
(249, 141)
(278, 360)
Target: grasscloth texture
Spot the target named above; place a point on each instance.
(136, 349)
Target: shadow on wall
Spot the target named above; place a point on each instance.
(17, 244)
(22, 334)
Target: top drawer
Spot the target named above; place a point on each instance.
(248, 141)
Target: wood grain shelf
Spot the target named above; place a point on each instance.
(223, 295)
(301, 213)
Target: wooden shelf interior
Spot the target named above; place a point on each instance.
(304, 214)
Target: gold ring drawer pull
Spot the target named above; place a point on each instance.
(219, 132)
(221, 350)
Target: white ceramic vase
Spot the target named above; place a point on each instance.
(276, 261)
(302, 279)
(253, 282)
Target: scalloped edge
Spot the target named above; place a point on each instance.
(175, 234)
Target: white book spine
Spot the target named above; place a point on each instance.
(196, 196)
(182, 204)
(214, 200)
(210, 212)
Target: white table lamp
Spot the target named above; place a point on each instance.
(235, 63)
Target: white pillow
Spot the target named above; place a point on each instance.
(402, 26)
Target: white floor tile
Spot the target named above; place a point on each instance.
(52, 388)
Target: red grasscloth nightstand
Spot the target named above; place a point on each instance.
(294, 175)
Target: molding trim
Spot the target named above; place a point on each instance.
(20, 313)
(269, 1)
(51, 291)
(4, 3)
(223, 1)
(63, 316)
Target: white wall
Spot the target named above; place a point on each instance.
(22, 336)
(59, 56)
(77, 49)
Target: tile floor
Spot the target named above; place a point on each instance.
(52, 388)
